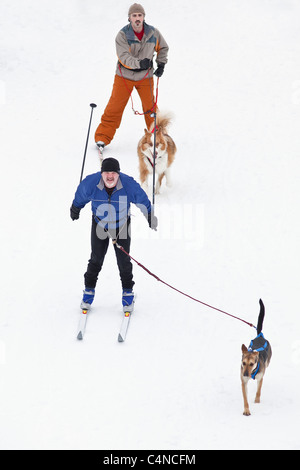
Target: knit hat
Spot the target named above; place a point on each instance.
(110, 164)
(136, 8)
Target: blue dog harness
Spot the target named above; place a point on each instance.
(261, 345)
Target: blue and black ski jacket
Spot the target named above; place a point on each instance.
(111, 211)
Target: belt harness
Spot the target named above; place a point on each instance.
(260, 349)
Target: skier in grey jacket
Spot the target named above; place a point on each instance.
(136, 45)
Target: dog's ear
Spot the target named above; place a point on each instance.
(244, 349)
(147, 132)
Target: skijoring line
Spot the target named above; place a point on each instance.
(149, 111)
(115, 242)
(177, 290)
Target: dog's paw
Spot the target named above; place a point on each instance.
(247, 412)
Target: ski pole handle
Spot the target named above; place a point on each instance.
(92, 105)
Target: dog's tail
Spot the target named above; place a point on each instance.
(260, 317)
(163, 120)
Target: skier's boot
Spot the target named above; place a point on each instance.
(100, 146)
(87, 299)
(128, 300)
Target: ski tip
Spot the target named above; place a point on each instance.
(120, 338)
(80, 335)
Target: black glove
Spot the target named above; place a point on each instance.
(74, 212)
(145, 64)
(160, 70)
(152, 221)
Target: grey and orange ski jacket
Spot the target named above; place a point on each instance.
(130, 50)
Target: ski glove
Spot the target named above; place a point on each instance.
(74, 212)
(145, 64)
(152, 221)
(160, 70)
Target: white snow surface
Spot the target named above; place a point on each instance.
(228, 230)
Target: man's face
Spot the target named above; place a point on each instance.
(137, 20)
(110, 178)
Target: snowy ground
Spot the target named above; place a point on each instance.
(228, 233)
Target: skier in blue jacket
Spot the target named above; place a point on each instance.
(110, 193)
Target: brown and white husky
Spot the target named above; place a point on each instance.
(164, 153)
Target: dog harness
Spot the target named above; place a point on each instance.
(261, 345)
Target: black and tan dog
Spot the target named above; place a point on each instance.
(255, 360)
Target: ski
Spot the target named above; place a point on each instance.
(82, 324)
(124, 327)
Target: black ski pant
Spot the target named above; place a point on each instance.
(99, 243)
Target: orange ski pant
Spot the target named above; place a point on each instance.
(112, 116)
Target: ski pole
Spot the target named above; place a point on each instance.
(92, 105)
(154, 158)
